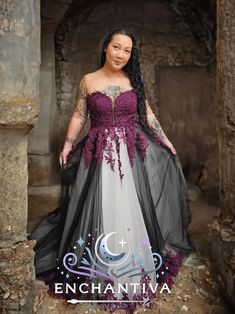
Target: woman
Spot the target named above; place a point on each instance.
(123, 213)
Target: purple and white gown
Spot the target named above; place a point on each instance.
(123, 206)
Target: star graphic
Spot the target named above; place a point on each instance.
(80, 241)
(157, 276)
(146, 301)
(122, 242)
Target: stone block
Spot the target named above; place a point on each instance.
(13, 187)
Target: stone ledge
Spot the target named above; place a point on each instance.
(18, 112)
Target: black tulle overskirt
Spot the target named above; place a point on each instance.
(161, 190)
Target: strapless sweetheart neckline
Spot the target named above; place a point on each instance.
(102, 93)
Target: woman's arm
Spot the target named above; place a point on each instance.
(156, 127)
(79, 118)
(154, 124)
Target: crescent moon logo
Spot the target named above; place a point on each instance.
(106, 253)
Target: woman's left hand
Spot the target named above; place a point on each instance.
(170, 146)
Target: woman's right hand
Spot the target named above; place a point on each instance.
(64, 154)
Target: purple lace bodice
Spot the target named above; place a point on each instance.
(103, 113)
(106, 119)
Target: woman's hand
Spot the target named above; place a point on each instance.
(170, 146)
(64, 154)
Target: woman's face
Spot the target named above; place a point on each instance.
(118, 51)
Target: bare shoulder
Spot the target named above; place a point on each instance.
(93, 75)
(90, 79)
(85, 81)
(98, 79)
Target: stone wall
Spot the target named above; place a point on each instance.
(43, 162)
(19, 106)
(223, 229)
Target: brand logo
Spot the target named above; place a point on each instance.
(93, 268)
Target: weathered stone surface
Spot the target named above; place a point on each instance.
(16, 278)
(223, 230)
(202, 19)
(19, 78)
(13, 187)
(223, 257)
(194, 193)
(43, 169)
(20, 58)
(18, 113)
(225, 106)
(19, 99)
(42, 138)
(42, 200)
(188, 120)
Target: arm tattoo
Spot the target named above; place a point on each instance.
(80, 110)
(154, 124)
(70, 140)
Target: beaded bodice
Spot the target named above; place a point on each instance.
(107, 116)
(106, 110)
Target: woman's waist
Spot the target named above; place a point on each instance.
(109, 125)
(107, 122)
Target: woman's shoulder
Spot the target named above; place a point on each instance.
(89, 78)
(91, 75)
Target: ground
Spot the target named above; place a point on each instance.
(194, 292)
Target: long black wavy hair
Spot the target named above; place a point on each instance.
(132, 68)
